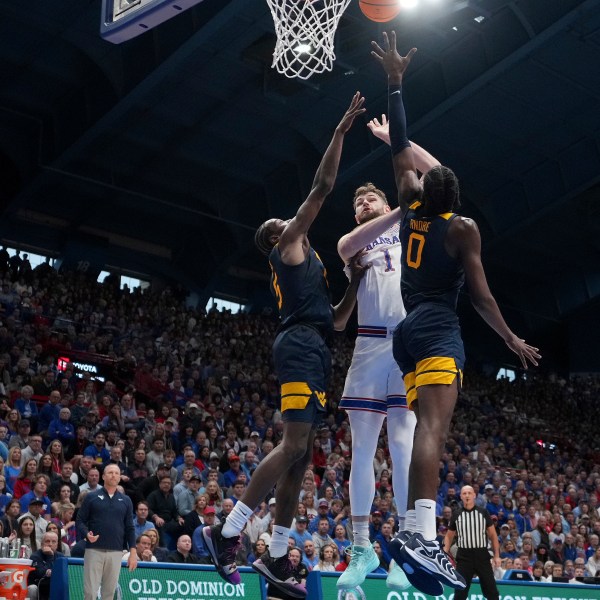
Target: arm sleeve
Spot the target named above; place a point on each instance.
(397, 114)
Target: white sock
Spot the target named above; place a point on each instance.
(401, 523)
(410, 520)
(425, 510)
(279, 541)
(237, 519)
(360, 529)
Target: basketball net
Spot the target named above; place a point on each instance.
(305, 30)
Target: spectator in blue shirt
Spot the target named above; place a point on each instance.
(140, 521)
(522, 520)
(322, 511)
(25, 405)
(300, 533)
(198, 544)
(234, 471)
(62, 429)
(249, 464)
(384, 537)
(49, 413)
(98, 450)
(494, 506)
(39, 491)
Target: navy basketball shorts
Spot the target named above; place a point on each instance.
(428, 348)
(303, 365)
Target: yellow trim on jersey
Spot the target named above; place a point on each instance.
(446, 216)
(415, 205)
(411, 389)
(437, 370)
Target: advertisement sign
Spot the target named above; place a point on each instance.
(374, 588)
(165, 581)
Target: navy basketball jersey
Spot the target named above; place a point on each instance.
(302, 292)
(429, 273)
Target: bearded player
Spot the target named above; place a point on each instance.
(374, 386)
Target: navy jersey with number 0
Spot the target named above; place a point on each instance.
(302, 292)
(429, 273)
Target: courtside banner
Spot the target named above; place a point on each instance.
(323, 588)
(159, 581)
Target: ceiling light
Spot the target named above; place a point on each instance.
(303, 48)
(409, 4)
(479, 18)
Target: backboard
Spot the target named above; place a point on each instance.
(122, 20)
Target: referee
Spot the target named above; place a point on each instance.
(474, 526)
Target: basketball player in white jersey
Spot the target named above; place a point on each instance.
(374, 387)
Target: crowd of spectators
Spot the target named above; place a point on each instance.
(190, 407)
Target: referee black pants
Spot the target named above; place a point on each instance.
(472, 562)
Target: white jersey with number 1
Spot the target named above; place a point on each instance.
(374, 381)
(379, 300)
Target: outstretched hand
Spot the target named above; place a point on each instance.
(524, 351)
(380, 130)
(355, 109)
(389, 58)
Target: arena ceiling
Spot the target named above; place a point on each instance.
(164, 153)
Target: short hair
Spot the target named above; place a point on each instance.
(367, 188)
(48, 534)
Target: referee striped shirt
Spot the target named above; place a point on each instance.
(470, 527)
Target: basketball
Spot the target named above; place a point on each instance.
(380, 11)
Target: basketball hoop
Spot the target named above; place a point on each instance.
(305, 30)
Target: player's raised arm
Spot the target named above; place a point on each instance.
(364, 234)
(292, 244)
(464, 236)
(407, 182)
